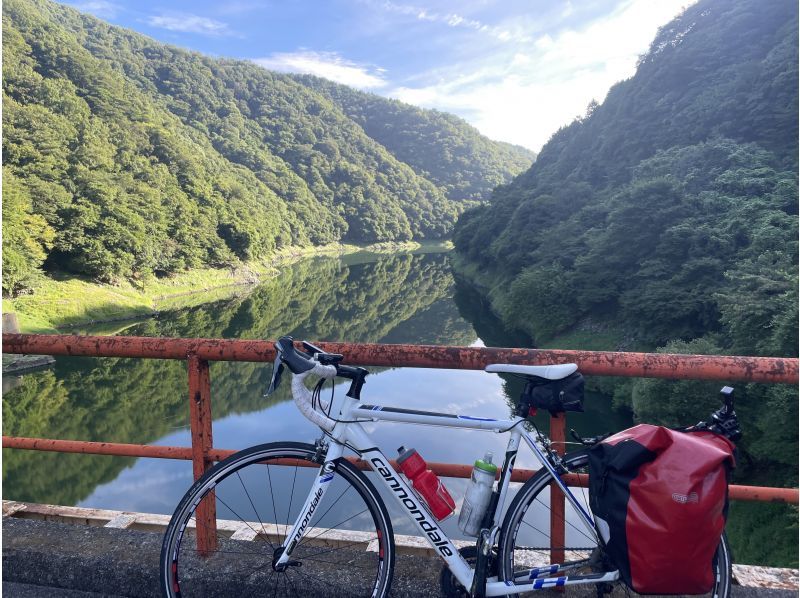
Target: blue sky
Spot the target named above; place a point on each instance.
(517, 70)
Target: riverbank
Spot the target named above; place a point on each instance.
(587, 334)
(61, 302)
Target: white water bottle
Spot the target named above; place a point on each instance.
(478, 495)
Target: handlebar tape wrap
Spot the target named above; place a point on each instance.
(302, 395)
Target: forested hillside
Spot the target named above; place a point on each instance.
(127, 158)
(437, 145)
(672, 206)
(667, 218)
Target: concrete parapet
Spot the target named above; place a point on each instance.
(106, 554)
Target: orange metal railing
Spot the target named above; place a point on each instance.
(198, 352)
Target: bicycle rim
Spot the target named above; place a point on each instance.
(256, 496)
(527, 539)
(528, 533)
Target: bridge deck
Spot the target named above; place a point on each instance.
(69, 551)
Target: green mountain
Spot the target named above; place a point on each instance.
(667, 217)
(439, 146)
(671, 208)
(127, 158)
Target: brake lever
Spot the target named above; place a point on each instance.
(275, 381)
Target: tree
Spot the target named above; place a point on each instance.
(26, 238)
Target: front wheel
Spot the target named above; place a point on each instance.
(527, 538)
(252, 499)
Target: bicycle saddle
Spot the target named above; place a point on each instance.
(548, 372)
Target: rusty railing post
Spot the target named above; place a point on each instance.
(200, 424)
(558, 425)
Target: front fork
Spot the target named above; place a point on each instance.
(330, 453)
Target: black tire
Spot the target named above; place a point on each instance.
(330, 560)
(530, 509)
(723, 561)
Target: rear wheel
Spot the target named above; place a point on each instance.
(528, 532)
(255, 497)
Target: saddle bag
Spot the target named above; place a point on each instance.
(556, 396)
(660, 501)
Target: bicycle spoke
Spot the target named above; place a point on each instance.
(572, 525)
(244, 567)
(237, 516)
(536, 529)
(296, 547)
(533, 509)
(333, 505)
(306, 574)
(254, 510)
(274, 512)
(258, 553)
(211, 529)
(289, 581)
(547, 548)
(334, 549)
(585, 496)
(338, 524)
(239, 552)
(338, 563)
(319, 521)
(272, 574)
(588, 508)
(289, 508)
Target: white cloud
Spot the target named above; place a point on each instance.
(329, 65)
(189, 23)
(450, 19)
(524, 94)
(99, 8)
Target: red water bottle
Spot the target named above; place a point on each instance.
(426, 483)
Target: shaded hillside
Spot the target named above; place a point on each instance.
(667, 218)
(672, 206)
(439, 146)
(124, 158)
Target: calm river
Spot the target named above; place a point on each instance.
(399, 298)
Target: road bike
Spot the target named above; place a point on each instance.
(289, 518)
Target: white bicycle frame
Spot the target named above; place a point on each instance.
(353, 435)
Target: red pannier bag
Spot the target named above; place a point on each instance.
(660, 500)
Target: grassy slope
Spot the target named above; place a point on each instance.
(66, 302)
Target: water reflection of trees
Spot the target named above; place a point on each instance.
(476, 309)
(767, 455)
(141, 400)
